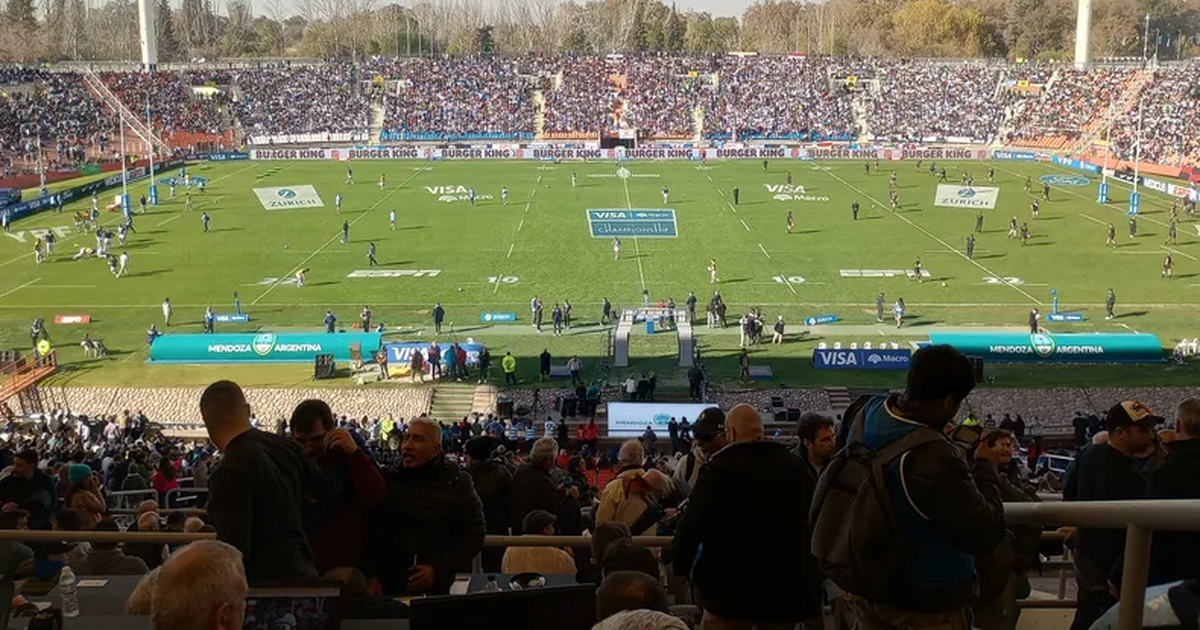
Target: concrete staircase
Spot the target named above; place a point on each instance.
(698, 123)
(452, 401)
(839, 398)
(858, 107)
(1124, 102)
(377, 119)
(539, 114)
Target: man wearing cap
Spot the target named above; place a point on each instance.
(1105, 472)
(709, 431)
(544, 560)
(739, 542)
(492, 480)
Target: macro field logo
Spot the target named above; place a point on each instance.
(1064, 180)
(792, 192)
(452, 194)
(263, 344)
(1042, 343)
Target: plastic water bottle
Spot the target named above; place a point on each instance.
(487, 588)
(67, 585)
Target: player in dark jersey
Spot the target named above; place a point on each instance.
(1024, 234)
(1168, 266)
(1112, 236)
(791, 222)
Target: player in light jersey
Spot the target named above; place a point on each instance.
(382, 182)
(337, 202)
(898, 312)
(712, 270)
(504, 195)
(616, 245)
(666, 195)
(573, 179)
(392, 218)
(123, 264)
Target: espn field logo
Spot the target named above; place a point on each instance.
(966, 197)
(286, 197)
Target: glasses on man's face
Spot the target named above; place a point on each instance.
(312, 440)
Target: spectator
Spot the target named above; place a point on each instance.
(202, 587)
(738, 541)
(709, 431)
(533, 489)
(165, 480)
(255, 496)
(817, 442)
(604, 535)
(629, 590)
(942, 516)
(1105, 472)
(83, 495)
(1176, 555)
(623, 555)
(625, 497)
(30, 489)
(492, 481)
(357, 602)
(106, 558)
(441, 518)
(200, 470)
(13, 552)
(150, 553)
(544, 560)
(641, 620)
(336, 530)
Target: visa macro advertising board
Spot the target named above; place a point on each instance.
(1051, 348)
(260, 348)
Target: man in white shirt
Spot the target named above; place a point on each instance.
(166, 310)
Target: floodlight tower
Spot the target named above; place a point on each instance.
(148, 34)
(1083, 34)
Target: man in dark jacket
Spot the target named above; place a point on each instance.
(431, 524)
(492, 480)
(256, 495)
(945, 516)
(739, 542)
(30, 489)
(1105, 472)
(533, 489)
(1176, 555)
(336, 529)
(816, 442)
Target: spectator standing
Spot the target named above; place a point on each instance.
(817, 442)
(255, 495)
(709, 431)
(941, 516)
(492, 481)
(633, 490)
(1176, 555)
(200, 470)
(1106, 472)
(544, 365)
(739, 542)
(164, 480)
(336, 529)
(533, 488)
(431, 524)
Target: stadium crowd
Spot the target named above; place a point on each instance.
(54, 107)
(1170, 119)
(1075, 99)
(935, 102)
(173, 105)
(322, 99)
(778, 98)
(584, 99)
(400, 509)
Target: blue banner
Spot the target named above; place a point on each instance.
(1078, 165)
(232, 156)
(496, 318)
(259, 348)
(1021, 156)
(820, 319)
(825, 359)
(1102, 197)
(1135, 202)
(1065, 317)
(1056, 348)
(231, 318)
(399, 355)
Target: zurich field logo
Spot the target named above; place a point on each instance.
(286, 193)
(966, 193)
(1043, 344)
(263, 344)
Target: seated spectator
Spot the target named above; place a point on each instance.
(69, 520)
(83, 495)
(150, 553)
(201, 587)
(30, 489)
(623, 555)
(441, 517)
(544, 560)
(13, 552)
(629, 590)
(139, 602)
(106, 558)
(641, 620)
(604, 536)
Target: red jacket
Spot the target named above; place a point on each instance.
(591, 432)
(336, 533)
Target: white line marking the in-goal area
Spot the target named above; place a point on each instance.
(333, 238)
(744, 225)
(14, 290)
(510, 250)
(764, 251)
(1175, 251)
(636, 249)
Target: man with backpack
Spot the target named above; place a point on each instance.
(746, 549)
(898, 518)
(710, 438)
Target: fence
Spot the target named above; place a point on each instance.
(1138, 518)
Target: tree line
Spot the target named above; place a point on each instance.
(54, 30)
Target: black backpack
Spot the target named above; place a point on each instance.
(855, 535)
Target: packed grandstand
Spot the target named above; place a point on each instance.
(656, 97)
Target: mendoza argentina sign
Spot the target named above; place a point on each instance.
(286, 197)
(975, 198)
(259, 348)
(1062, 348)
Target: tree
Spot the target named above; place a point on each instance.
(20, 14)
(575, 42)
(168, 43)
(674, 31)
(484, 43)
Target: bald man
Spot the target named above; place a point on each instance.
(749, 511)
(256, 494)
(200, 587)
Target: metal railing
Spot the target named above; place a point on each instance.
(1139, 518)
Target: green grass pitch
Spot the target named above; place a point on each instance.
(495, 257)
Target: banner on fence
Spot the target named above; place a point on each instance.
(399, 355)
(1060, 348)
(259, 348)
(845, 359)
